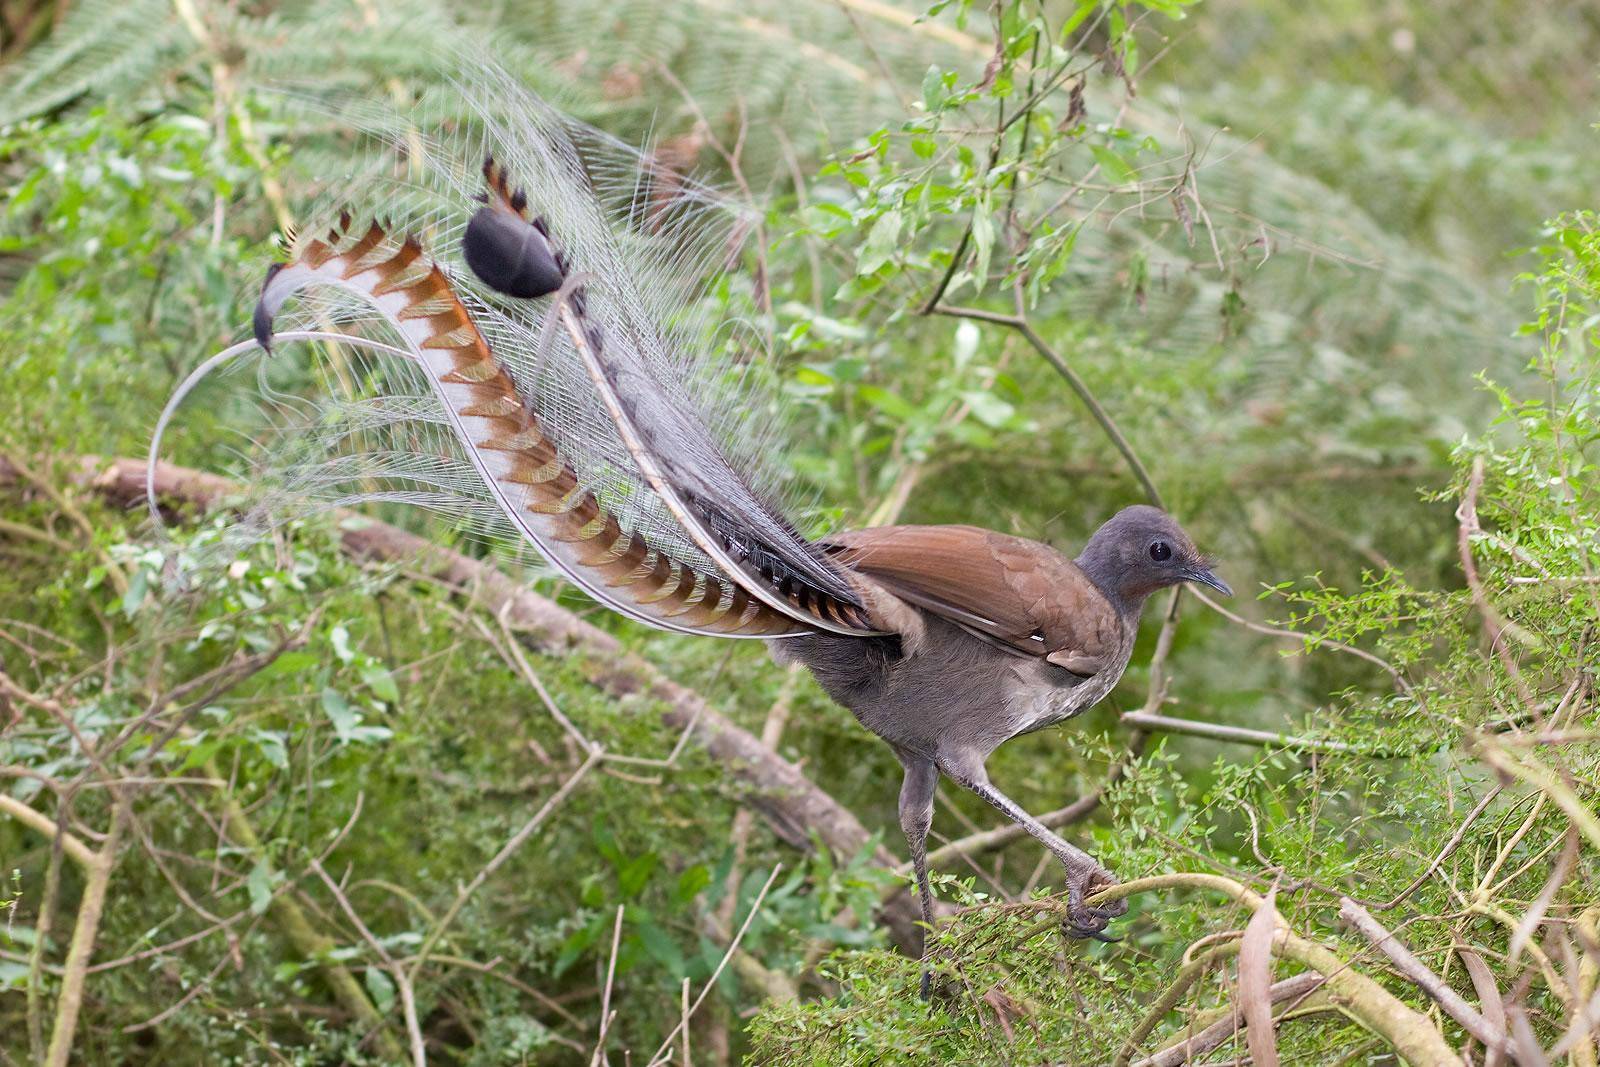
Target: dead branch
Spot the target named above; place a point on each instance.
(1194, 1046)
(1411, 1033)
(791, 804)
(1419, 975)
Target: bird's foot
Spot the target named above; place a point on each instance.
(1085, 921)
(926, 993)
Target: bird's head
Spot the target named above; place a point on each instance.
(1142, 549)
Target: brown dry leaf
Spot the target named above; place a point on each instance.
(1490, 1000)
(1006, 1010)
(1255, 982)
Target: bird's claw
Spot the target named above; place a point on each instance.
(1084, 921)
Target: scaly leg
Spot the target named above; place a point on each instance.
(1084, 873)
(916, 815)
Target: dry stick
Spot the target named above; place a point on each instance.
(1418, 974)
(596, 754)
(69, 1002)
(1240, 734)
(711, 983)
(1196, 1045)
(408, 999)
(1586, 1021)
(605, 997)
(1411, 1033)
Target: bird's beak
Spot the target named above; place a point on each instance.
(1204, 576)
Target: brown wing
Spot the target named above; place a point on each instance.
(1022, 594)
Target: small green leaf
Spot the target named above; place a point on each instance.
(381, 986)
(259, 886)
(1117, 169)
(339, 712)
(381, 682)
(881, 243)
(933, 88)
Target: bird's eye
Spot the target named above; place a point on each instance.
(1160, 551)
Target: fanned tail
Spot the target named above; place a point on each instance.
(715, 506)
(562, 388)
(529, 478)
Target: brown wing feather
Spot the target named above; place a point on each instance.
(1024, 594)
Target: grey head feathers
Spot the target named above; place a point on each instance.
(1142, 549)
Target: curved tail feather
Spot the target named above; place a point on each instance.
(526, 473)
(567, 386)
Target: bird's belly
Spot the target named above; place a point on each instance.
(1045, 694)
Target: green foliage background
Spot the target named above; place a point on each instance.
(1294, 267)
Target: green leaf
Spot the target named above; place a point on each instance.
(635, 874)
(381, 986)
(933, 94)
(272, 748)
(983, 241)
(989, 409)
(1116, 168)
(340, 713)
(662, 949)
(882, 241)
(691, 882)
(381, 682)
(259, 885)
(887, 402)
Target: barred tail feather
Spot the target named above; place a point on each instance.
(528, 478)
(549, 366)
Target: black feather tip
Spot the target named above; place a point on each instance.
(261, 321)
(510, 256)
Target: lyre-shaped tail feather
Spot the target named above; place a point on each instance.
(746, 538)
(526, 474)
(559, 377)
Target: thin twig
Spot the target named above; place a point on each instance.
(605, 997)
(722, 964)
(505, 853)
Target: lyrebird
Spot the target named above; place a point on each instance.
(526, 342)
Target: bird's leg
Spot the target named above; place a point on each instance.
(916, 815)
(1084, 873)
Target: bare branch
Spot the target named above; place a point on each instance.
(1419, 975)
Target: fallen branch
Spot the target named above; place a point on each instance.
(792, 806)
